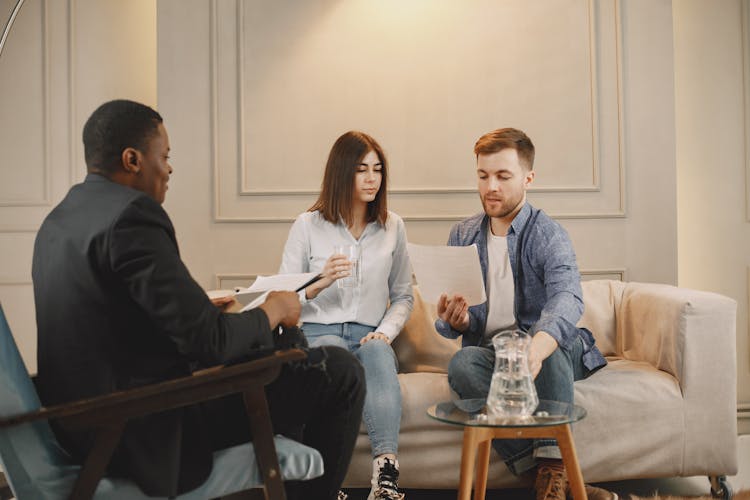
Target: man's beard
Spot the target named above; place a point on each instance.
(502, 210)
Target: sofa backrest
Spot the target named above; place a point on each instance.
(644, 322)
(419, 348)
(641, 321)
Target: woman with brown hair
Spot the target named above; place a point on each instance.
(351, 239)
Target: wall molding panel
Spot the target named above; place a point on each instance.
(44, 35)
(71, 62)
(10, 282)
(598, 190)
(56, 140)
(746, 88)
(619, 274)
(743, 412)
(228, 281)
(743, 418)
(19, 229)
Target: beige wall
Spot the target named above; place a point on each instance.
(712, 145)
(596, 94)
(595, 85)
(62, 59)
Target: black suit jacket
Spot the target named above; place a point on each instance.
(117, 308)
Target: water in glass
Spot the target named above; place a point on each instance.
(353, 254)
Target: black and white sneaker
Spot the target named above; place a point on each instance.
(386, 486)
(342, 496)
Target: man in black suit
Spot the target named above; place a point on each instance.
(117, 308)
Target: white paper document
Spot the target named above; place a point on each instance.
(255, 302)
(449, 270)
(277, 282)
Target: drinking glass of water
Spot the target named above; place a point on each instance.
(353, 253)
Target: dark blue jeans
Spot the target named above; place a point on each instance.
(470, 374)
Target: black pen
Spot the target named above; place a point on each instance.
(310, 282)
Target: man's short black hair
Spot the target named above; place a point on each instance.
(113, 127)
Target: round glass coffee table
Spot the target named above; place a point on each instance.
(551, 419)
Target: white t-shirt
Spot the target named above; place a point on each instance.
(500, 289)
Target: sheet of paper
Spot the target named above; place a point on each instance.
(450, 270)
(255, 302)
(277, 282)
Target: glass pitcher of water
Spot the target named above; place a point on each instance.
(512, 391)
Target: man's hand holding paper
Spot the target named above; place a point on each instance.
(454, 311)
(282, 308)
(278, 282)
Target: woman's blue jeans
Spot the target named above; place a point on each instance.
(382, 411)
(470, 374)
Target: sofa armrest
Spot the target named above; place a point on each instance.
(692, 335)
(676, 329)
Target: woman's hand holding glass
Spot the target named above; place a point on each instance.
(336, 267)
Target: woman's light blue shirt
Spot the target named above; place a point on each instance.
(383, 300)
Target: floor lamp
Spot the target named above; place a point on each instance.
(4, 488)
(9, 24)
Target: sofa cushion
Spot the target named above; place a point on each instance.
(601, 300)
(419, 391)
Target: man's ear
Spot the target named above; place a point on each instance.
(529, 178)
(131, 160)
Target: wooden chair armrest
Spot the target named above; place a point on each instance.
(107, 415)
(204, 385)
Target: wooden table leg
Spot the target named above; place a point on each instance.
(570, 459)
(476, 447)
(468, 455)
(483, 464)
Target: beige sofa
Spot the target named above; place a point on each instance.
(664, 406)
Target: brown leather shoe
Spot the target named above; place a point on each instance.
(551, 483)
(595, 493)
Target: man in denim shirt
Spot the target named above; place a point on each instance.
(532, 283)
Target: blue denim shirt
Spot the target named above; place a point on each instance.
(548, 294)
